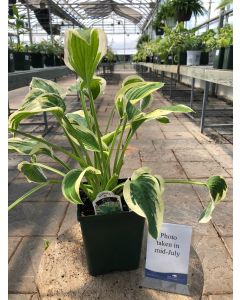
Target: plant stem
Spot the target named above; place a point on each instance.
(98, 133)
(119, 144)
(84, 106)
(112, 146)
(33, 190)
(109, 119)
(184, 181)
(80, 142)
(61, 162)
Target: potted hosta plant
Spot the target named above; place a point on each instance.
(17, 23)
(111, 210)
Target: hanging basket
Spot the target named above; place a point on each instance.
(183, 15)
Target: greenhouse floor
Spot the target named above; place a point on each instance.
(175, 150)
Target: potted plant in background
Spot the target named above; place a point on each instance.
(112, 229)
(209, 42)
(194, 47)
(185, 8)
(49, 51)
(176, 38)
(37, 58)
(21, 57)
(225, 39)
(166, 16)
(221, 41)
(11, 65)
(58, 52)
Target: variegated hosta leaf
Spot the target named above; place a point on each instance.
(107, 138)
(28, 146)
(143, 90)
(82, 135)
(22, 146)
(84, 50)
(143, 195)
(47, 86)
(144, 103)
(131, 79)
(134, 92)
(180, 108)
(97, 87)
(77, 118)
(159, 115)
(41, 148)
(217, 187)
(72, 181)
(206, 215)
(31, 95)
(32, 172)
(43, 103)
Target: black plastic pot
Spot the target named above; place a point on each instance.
(112, 242)
(181, 58)
(37, 60)
(228, 58)
(59, 61)
(159, 31)
(218, 58)
(11, 66)
(183, 15)
(204, 58)
(49, 60)
(21, 61)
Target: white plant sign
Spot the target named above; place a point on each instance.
(167, 257)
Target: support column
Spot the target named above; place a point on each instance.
(29, 23)
(204, 105)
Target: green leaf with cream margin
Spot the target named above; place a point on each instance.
(143, 195)
(43, 103)
(217, 187)
(32, 172)
(134, 92)
(84, 50)
(72, 181)
(47, 86)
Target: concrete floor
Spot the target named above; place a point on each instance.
(176, 150)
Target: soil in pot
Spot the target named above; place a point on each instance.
(218, 58)
(228, 58)
(113, 241)
(37, 60)
(11, 66)
(21, 61)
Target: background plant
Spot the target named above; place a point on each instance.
(225, 36)
(98, 153)
(17, 22)
(165, 11)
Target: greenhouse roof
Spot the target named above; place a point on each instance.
(90, 13)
